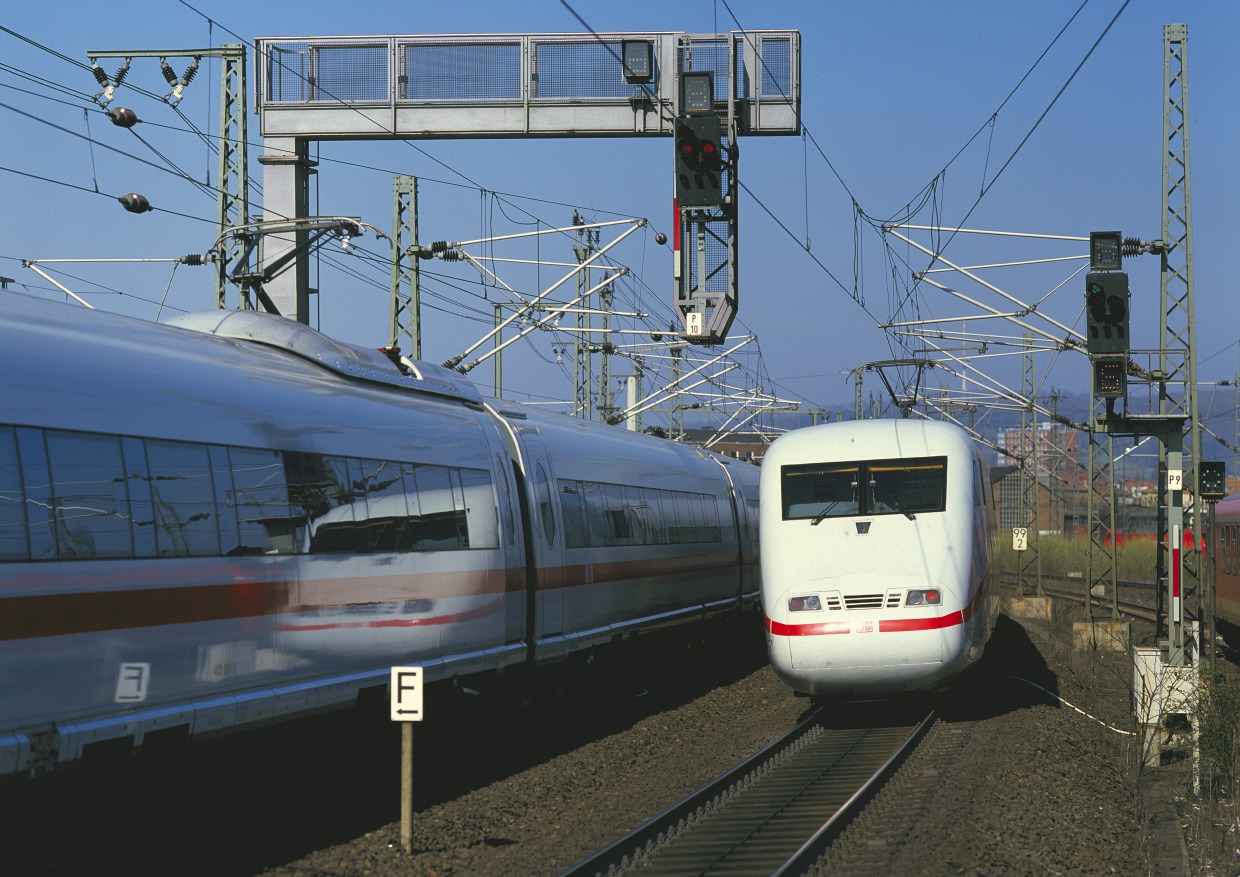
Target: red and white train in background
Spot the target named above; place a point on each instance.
(1227, 564)
(234, 520)
(877, 542)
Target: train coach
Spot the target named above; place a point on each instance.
(234, 520)
(877, 540)
(1226, 536)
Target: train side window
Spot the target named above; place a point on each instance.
(680, 529)
(619, 529)
(639, 514)
(141, 502)
(710, 518)
(379, 507)
(90, 500)
(598, 527)
(37, 487)
(542, 487)
(573, 507)
(13, 545)
(755, 531)
(481, 521)
(656, 529)
(186, 524)
(437, 528)
(321, 502)
(260, 495)
(505, 499)
(225, 509)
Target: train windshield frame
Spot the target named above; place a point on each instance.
(902, 486)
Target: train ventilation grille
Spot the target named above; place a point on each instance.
(833, 602)
(864, 601)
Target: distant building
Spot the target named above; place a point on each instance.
(1056, 449)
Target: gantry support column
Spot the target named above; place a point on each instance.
(286, 195)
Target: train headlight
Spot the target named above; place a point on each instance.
(804, 604)
(931, 597)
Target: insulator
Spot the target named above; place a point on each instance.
(121, 73)
(100, 76)
(190, 72)
(1131, 247)
(168, 72)
(122, 117)
(193, 259)
(439, 246)
(135, 203)
(450, 256)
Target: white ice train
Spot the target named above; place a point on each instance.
(877, 540)
(235, 520)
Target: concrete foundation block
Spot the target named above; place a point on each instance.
(1027, 608)
(1109, 636)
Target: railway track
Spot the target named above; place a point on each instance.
(775, 812)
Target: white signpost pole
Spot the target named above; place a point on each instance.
(405, 687)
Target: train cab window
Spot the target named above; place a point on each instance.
(820, 490)
(908, 485)
(184, 496)
(905, 486)
(13, 544)
(90, 503)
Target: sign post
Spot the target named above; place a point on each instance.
(405, 687)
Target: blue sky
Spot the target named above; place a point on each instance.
(893, 95)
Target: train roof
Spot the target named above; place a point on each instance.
(74, 327)
(868, 439)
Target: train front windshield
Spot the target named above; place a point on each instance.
(907, 486)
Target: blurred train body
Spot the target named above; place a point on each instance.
(234, 520)
(1226, 536)
(877, 539)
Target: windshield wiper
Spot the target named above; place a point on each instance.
(817, 519)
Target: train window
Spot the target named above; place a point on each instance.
(181, 485)
(907, 486)
(225, 510)
(595, 501)
(752, 511)
(439, 526)
(545, 511)
(260, 500)
(819, 490)
(505, 499)
(619, 530)
(12, 512)
(638, 512)
(656, 524)
(876, 487)
(90, 503)
(37, 487)
(380, 509)
(141, 502)
(680, 529)
(573, 507)
(482, 527)
(321, 503)
(710, 519)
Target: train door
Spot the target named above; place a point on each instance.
(547, 538)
